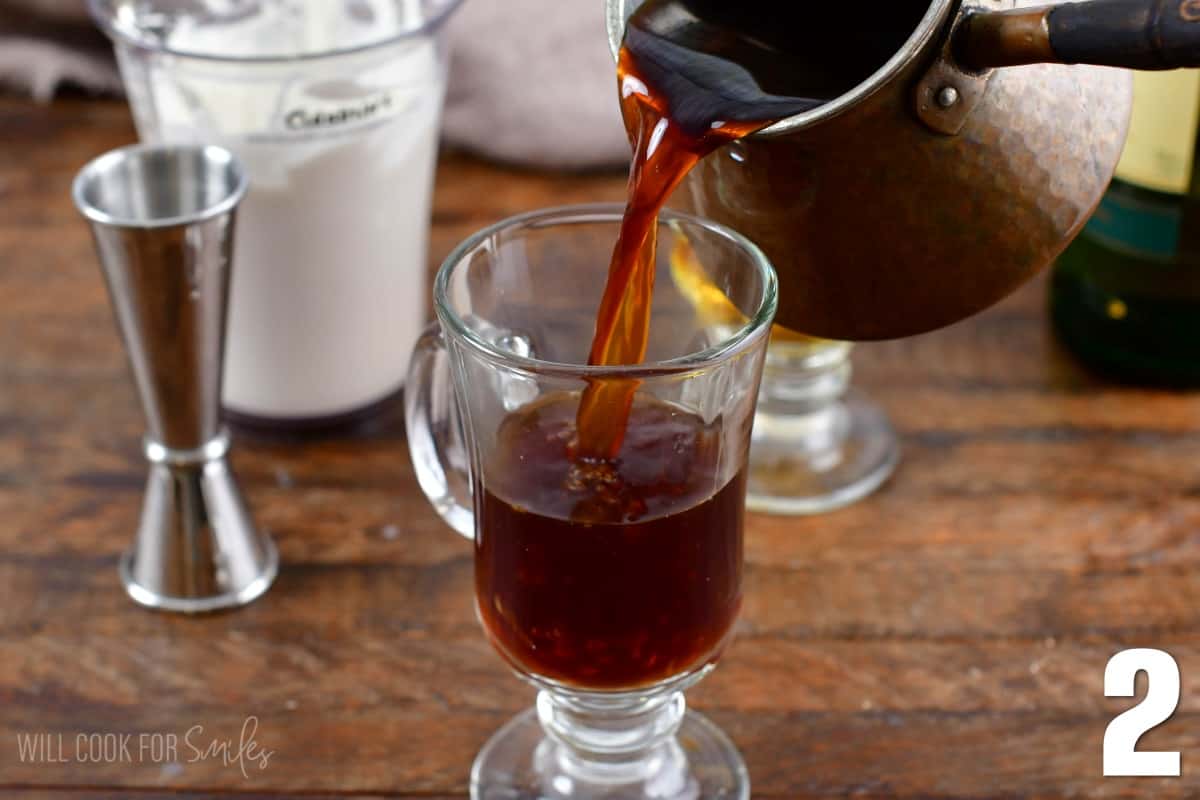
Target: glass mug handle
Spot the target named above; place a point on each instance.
(435, 432)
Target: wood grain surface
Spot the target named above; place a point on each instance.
(946, 638)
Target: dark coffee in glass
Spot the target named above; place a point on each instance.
(612, 574)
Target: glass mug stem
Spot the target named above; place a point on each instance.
(803, 387)
(603, 741)
(610, 731)
(818, 444)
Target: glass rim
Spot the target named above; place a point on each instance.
(102, 14)
(755, 327)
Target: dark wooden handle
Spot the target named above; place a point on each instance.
(1145, 34)
(1139, 34)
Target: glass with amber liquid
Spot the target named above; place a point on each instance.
(818, 444)
(610, 582)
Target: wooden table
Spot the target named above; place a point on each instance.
(946, 638)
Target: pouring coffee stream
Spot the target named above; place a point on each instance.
(663, 152)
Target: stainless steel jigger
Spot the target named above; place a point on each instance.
(163, 222)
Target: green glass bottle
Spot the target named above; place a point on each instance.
(1125, 295)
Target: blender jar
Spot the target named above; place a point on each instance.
(334, 108)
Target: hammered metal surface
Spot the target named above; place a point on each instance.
(880, 228)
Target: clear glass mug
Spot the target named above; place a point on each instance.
(613, 585)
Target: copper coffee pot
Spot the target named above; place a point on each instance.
(947, 178)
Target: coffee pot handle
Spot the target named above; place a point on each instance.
(436, 441)
(1138, 34)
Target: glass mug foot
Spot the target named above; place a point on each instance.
(689, 759)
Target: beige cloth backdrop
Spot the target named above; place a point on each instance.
(531, 81)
